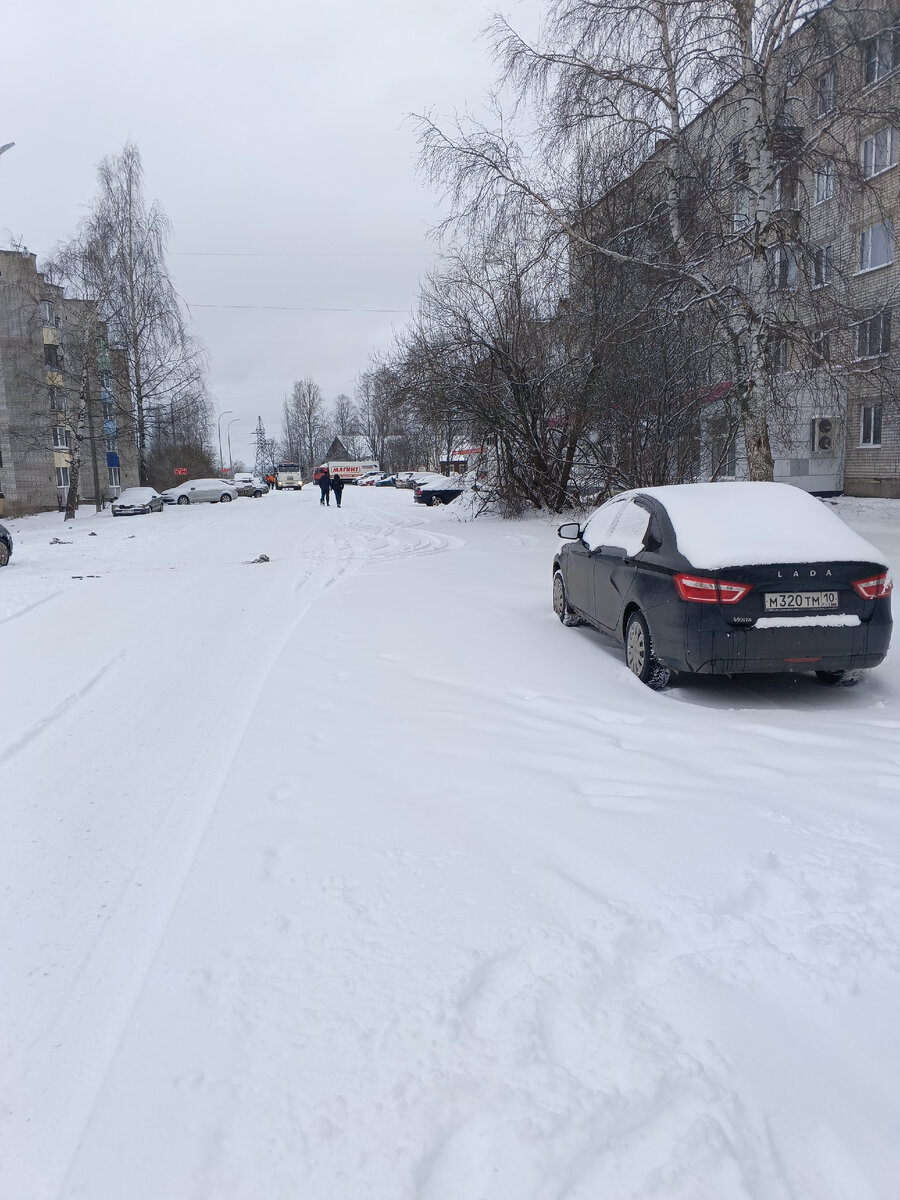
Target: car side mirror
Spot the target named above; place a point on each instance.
(571, 531)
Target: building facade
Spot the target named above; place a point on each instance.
(64, 397)
(785, 200)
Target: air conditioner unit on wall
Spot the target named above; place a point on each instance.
(825, 435)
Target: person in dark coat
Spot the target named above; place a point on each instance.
(337, 486)
(325, 488)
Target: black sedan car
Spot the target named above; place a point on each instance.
(440, 492)
(725, 578)
(6, 545)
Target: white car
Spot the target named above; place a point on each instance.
(200, 491)
(137, 500)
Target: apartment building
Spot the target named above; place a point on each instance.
(790, 211)
(43, 349)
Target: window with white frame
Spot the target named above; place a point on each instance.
(48, 316)
(823, 182)
(743, 210)
(60, 437)
(821, 347)
(114, 477)
(722, 437)
(779, 354)
(62, 477)
(823, 266)
(57, 398)
(826, 93)
(740, 277)
(782, 268)
(882, 55)
(878, 152)
(876, 246)
(870, 425)
(112, 445)
(873, 335)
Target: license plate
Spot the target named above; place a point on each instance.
(800, 601)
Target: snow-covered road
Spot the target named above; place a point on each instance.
(355, 874)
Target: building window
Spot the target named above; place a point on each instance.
(57, 399)
(882, 54)
(821, 346)
(823, 183)
(48, 316)
(108, 414)
(823, 266)
(737, 158)
(876, 246)
(114, 477)
(825, 94)
(743, 210)
(51, 356)
(782, 268)
(780, 350)
(870, 425)
(879, 152)
(784, 195)
(740, 278)
(112, 445)
(873, 336)
(722, 449)
(62, 477)
(60, 437)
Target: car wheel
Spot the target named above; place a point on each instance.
(839, 678)
(225, 498)
(639, 655)
(4, 554)
(560, 602)
(184, 499)
(436, 500)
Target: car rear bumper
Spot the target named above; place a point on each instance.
(716, 647)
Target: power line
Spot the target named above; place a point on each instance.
(304, 253)
(290, 308)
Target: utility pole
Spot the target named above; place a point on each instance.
(228, 432)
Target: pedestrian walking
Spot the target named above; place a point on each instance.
(337, 486)
(325, 487)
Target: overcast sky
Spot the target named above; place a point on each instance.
(274, 133)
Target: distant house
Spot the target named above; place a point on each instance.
(461, 460)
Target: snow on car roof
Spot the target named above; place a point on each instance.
(751, 524)
(135, 493)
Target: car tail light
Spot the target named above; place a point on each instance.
(874, 589)
(709, 591)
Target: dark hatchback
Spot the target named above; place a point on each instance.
(726, 578)
(6, 545)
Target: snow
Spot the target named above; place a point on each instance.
(753, 524)
(355, 874)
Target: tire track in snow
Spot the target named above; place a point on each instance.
(9, 752)
(182, 840)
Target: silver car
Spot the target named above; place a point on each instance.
(202, 491)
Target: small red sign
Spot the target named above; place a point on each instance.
(181, 470)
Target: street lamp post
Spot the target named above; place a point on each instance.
(219, 423)
(228, 433)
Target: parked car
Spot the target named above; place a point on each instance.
(136, 500)
(250, 485)
(386, 481)
(724, 578)
(6, 545)
(441, 489)
(199, 491)
(369, 479)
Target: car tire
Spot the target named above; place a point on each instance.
(184, 499)
(639, 656)
(839, 678)
(225, 498)
(4, 554)
(437, 500)
(561, 602)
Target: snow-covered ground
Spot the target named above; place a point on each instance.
(354, 875)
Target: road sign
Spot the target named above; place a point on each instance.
(181, 470)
